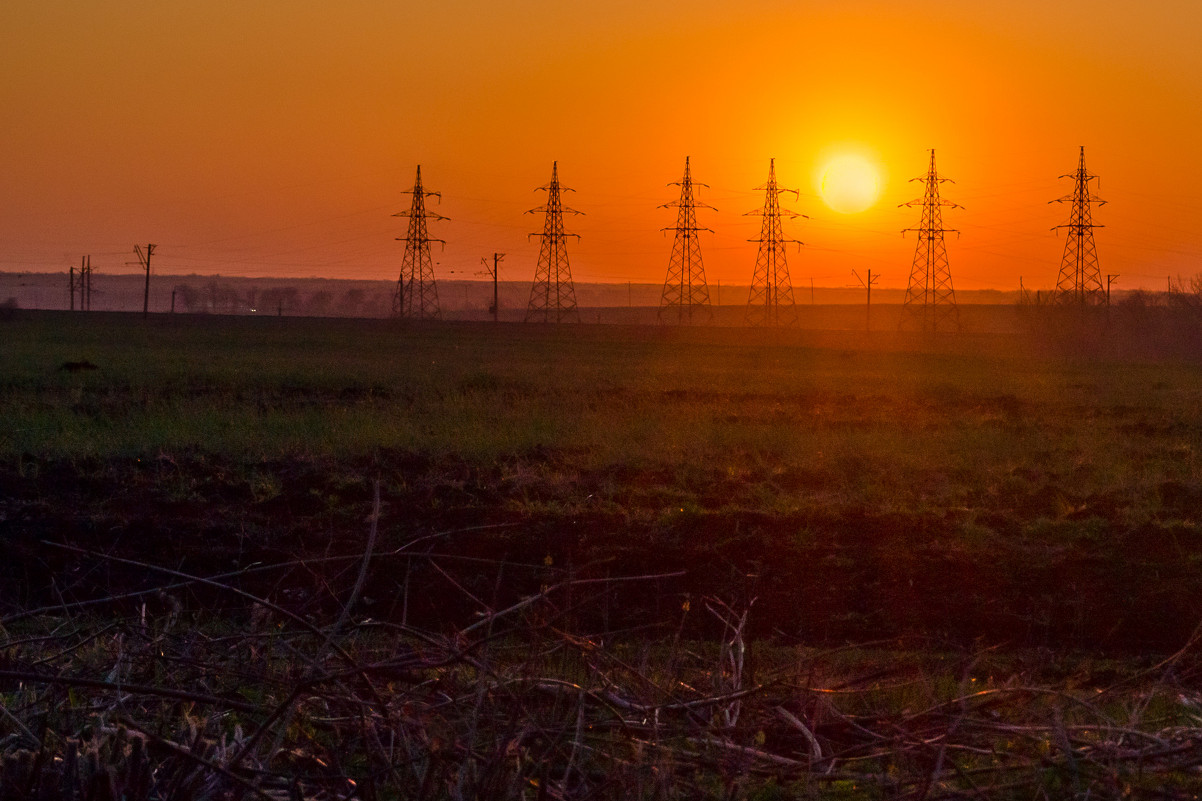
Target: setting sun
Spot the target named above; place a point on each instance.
(850, 184)
(278, 140)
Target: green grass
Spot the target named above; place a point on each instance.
(911, 425)
(969, 477)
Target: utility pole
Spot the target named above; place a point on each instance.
(553, 295)
(685, 291)
(82, 284)
(144, 260)
(493, 271)
(1080, 281)
(872, 279)
(71, 284)
(930, 298)
(770, 301)
(416, 294)
(1110, 279)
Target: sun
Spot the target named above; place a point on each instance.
(850, 184)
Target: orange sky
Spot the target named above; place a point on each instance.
(275, 137)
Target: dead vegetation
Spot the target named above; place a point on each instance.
(169, 700)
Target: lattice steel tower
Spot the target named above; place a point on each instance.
(686, 295)
(771, 298)
(553, 296)
(416, 295)
(1080, 282)
(930, 303)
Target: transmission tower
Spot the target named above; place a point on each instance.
(553, 296)
(771, 298)
(416, 295)
(685, 293)
(930, 303)
(1080, 282)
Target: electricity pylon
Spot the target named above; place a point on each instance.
(771, 299)
(553, 296)
(685, 295)
(930, 303)
(416, 295)
(1080, 282)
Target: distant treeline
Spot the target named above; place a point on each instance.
(1173, 314)
(221, 294)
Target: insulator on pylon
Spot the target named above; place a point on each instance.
(686, 297)
(416, 295)
(553, 295)
(930, 303)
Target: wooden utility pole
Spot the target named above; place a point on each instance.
(868, 286)
(144, 260)
(85, 283)
(1110, 279)
(81, 283)
(494, 270)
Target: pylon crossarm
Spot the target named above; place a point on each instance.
(427, 215)
(695, 205)
(675, 204)
(778, 241)
(544, 210)
(778, 212)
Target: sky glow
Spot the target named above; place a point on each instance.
(276, 138)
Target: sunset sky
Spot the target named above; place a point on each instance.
(277, 137)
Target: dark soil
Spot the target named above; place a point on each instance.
(455, 539)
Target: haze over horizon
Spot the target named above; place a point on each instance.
(277, 139)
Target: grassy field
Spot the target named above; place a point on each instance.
(598, 561)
